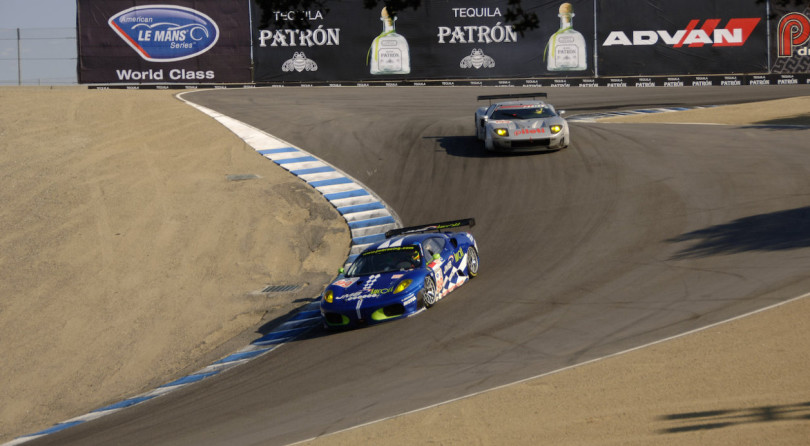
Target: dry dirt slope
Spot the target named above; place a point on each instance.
(127, 257)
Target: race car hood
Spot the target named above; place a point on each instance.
(375, 287)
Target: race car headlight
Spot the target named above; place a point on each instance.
(502, 132)
(402, 285)
(556, 128)
(328, 296)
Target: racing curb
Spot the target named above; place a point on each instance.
(367, 216)
(594, 117)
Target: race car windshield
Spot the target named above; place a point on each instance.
(385, 260)
(522, 113)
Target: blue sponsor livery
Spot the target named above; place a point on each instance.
(165, 33)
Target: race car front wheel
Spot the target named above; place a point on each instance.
(429, 292)
(472, 262)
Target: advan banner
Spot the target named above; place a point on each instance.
(439, 40)
(662, 37)
(191, 41)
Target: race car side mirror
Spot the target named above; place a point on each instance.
(436, 256)
(562, 112)
(341, 271)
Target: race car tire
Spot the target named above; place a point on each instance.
(428, 293)
(472, 262)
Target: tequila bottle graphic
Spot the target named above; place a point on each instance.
(389, 51)
(565, 50)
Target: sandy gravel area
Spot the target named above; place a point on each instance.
(742, 383)
(793, 111)
(128, 257)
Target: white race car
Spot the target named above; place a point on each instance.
(521, 124)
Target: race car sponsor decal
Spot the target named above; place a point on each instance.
(345, 283)
(382, 249)
(440, 282)
(368, 291)
(357, 295)
(529, 131)
(463, 264)
(370, 281)
(517, 106)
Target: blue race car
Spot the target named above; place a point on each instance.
(401, 276)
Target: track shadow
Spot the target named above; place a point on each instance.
(471, 147)
(717, 419)
(796, 122)
(775, 231)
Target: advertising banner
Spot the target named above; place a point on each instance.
(790, 46)
(177, 41)
(662, 37)
(439, 40)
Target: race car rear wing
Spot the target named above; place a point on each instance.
(431, 227)
(513, 96)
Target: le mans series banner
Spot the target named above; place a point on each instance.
(439, 40)
(178, 41)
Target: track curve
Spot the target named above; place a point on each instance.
(633, 234)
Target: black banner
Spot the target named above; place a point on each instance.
(581, 43)
(439, 40)
(659, 37)
(790, 42)
(186, 41)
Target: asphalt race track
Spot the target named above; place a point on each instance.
(635, 233)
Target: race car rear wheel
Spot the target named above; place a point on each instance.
(472, 262)
(428, 293)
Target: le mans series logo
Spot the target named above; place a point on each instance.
(165, 33)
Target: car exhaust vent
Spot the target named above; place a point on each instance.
(280, 288)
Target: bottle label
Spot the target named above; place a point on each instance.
(390, 59)
(566, 56)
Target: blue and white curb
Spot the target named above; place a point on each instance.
(366, 214)
(594, 117)
(368, 219)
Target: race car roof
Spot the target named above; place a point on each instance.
(537, 94)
